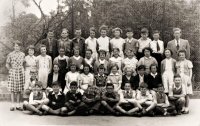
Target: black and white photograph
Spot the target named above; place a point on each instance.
(99, 62)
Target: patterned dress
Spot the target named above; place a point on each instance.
(16, 78)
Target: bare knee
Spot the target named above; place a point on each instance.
(104, 103)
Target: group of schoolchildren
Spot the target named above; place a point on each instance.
(101, 76)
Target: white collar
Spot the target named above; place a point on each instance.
(58, 93)
(154, 74)
(89, 59)
(77, 58)
(129, 40)
(147, 57)
(102, 61)
(91, 38)
(141, 76)
(114, 74)
(101, 75)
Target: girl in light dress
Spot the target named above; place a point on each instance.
(44, 66)
(184, 68)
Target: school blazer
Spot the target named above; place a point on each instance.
(81, 46)
(136, 81)
(50, 79)
(54, 46)
(163, 65)
(184, 45)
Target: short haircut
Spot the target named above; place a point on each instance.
(93, 29)
(144, 31)
(176, 29)
(87, 65)
(55, 83)
(169, 50)
(89, 50)
(102, 52)
(143, 85)
(61, 49)
(153, 65)
(114, 65)
(103, 27)
(76, 48)
(129, 30)
(127, 83)
(72, 65)
(181, 51)
(141, 67)
(74, 83)
(32, 47)
(117, 29)
(42, 45)
(116, 49)
(101, 66)
(147, 48)
(109, 84)
(56, 64)
(77, 28)
(51, 31)
(156, 32)
(38, 83)
(177, 76)
(17, 42)
(126, 68)
(65, 29)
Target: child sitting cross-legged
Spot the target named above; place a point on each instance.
(37, 99)
(91, 101)
(56, 100)
(127, 104)
(73, 99)
(145, 100)
(110, 98)
(163, 106)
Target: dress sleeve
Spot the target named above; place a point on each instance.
(8, 59)
(190, 65)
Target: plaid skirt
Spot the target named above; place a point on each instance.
(16, 80)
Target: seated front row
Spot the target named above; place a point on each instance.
(128, 102)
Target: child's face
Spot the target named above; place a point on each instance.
(153, 69)
(61, 52)
(130, 54)
(78, 33)
(76, 52)
(177, 34)
(144, 35)
(64, 34)
(55, 68)
(128, 72)
(86, 70)
(101, 71)
(181, 56)
(109, 89)
(127, 86)
(141, 72)
(129, 34)
(103, 33)
(31, 52)
(73, 88)
(147, 53)
(177, 81)
(161, 89)
(156, 36)
(88, 54)
(167, 53)
(37, 89)
(115, 53)
(73, 68)
(56, 89)
(50, 35)
(117, 34)
(102, 56)
(43, 50)
(143, 91)
(92, 34)
(33, 75)
(16, 47)
(114, 70)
